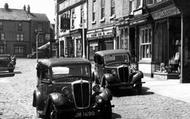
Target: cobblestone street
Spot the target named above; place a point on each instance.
(16, 99)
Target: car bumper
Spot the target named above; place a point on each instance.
(5, 68)
(122, 84)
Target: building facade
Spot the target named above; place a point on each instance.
(17, 30)
(105, 30)
(71, 20)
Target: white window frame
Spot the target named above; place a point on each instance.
(145, 46)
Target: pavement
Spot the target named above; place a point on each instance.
(170, 88)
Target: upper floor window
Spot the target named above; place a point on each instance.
(112, 7)
(102, 9)
(2, 49)
(93, 10)
(82, 14)
(19, 27)
(19, 37)
(40, 39)
(73, 18)
(1, 26)
(40, 27)
(150, 2)
(139, 3)
(130, 6)
(2, 36)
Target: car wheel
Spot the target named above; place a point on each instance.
(138, 88)
(39, 115)
(52, 112)
(106, 112)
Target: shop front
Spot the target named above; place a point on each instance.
(140, 29)
(166, 41)
(100, 39)
(183, 6)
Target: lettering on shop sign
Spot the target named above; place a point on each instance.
(165, 13)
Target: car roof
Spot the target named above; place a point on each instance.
(109, 52)
(63, 61)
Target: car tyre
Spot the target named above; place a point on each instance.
(106, 112)
(51, 112)
(138, 88)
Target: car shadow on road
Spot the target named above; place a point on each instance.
(8, 74)
(116, 116)
(130, 92)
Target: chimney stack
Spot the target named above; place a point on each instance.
(24, 8)
(6, 6)
(28, 9)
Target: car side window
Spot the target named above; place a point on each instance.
(98, 59)
(42, 72)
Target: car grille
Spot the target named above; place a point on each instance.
(123, 74)
(81, 94)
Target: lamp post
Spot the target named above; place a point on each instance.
(37, 38)
(83, 37)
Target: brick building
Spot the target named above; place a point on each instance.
(18, 30)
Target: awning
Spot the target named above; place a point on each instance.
(45, 46)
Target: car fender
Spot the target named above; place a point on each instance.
(137, 77)
(37, 98)
(109, 77)
(57, 99)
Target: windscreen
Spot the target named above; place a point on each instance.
(116, 58)
(71, 70)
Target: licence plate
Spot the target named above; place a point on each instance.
(85, 114)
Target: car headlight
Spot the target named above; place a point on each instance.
(114, 72)
(99, 99)
(66, 91)
(96, 88)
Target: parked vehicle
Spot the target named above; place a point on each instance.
(114, 70)
(64, 90)
(7, 62)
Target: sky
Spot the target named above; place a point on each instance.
(36, 6)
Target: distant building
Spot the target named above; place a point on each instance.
(18, 29)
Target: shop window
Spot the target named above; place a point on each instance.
(19, 49)
(145, 42)
(2, 49)
(124, 39)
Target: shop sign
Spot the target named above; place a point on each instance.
(100, 34)
(165, 13)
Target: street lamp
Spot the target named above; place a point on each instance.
(83, 37)
(37, 38)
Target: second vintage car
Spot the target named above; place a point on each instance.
(65, 90)
(114, 70)
(7, 62)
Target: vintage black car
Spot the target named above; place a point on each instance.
(65, 90)
(7, 62)
(114, 70)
